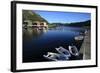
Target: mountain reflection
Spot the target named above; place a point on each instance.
(31, 33)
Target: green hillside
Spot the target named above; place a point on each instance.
(32, 16)
(80, 24)
(74, 24)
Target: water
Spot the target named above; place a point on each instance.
(37, 42)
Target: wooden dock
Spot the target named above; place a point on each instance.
(85, 49)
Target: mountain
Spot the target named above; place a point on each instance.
(80, 24)
(74, 24)
(32, 16)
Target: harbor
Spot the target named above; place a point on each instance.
(83, 54)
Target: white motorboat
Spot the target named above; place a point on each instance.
(73, 50)
(63, 51)
(55, 56)
(84, 33)
(79, 38)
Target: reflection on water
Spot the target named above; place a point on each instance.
(30, 33)
(37, 42)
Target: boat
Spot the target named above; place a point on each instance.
(84, 33)
(79, 38)
(63, 51)
(55, 56)
(81, 33)
(73, 50)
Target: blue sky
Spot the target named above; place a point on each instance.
(64, 17)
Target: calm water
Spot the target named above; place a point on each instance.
(36, 42)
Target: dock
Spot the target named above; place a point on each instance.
(85, 49)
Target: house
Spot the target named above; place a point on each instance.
(35, 24)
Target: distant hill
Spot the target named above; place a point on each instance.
(80, 24)
(74, 24)
(32, 16)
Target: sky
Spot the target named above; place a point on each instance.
(64, 17)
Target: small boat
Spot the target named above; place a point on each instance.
(55, 56)
(63, 51)
(86, 31)
(83, 33)
(73, 50)
(79, 38)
